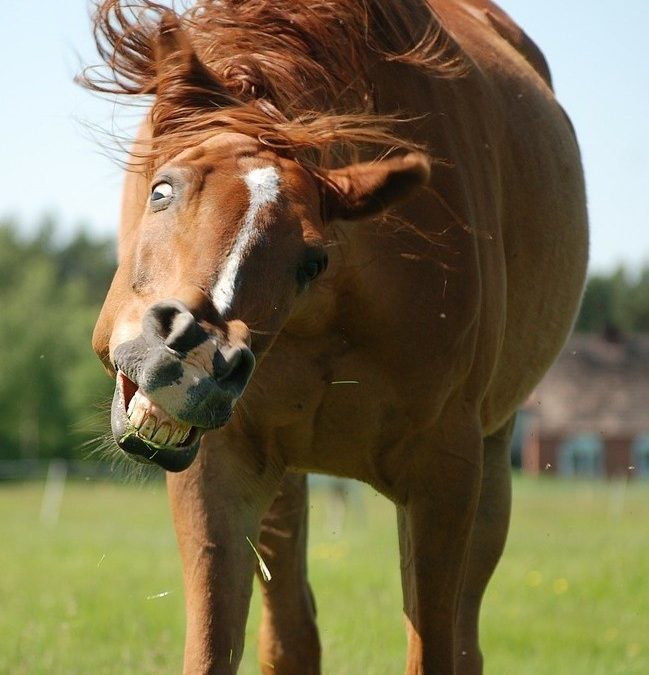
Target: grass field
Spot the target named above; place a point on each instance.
(100, 592)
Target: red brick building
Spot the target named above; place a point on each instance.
(590, 414)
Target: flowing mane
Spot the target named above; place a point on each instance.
(294, 75)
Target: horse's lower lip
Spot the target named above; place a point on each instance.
(170, 458)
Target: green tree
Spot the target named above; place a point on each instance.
(637, 302)
(602, 303)
(49, 378)
(618, 300)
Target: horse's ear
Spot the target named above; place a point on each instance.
(366, 189)
(180, 74)
(173, 50)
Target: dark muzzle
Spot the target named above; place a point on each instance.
(176, 380)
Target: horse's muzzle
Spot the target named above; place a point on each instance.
(174, 382)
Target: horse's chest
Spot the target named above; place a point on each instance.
(334, 409)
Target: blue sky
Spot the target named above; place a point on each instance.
(53, 164)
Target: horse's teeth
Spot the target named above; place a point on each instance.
(136, 416)
(176, 436)
(131, 406)
(148, 426)
(162, 433)
(151, 426)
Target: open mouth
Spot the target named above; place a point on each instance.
(150, 422)
(147, 432)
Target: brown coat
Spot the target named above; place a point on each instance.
(426, 331)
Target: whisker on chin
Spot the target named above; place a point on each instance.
(103, 448)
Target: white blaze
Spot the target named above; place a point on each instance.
(263, 186)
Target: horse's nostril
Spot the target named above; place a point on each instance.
(239, 364)
(185, 333)
(158, 319)
(171, 322)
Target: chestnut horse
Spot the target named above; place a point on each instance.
(285, 229)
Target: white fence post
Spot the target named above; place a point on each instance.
(53, 491)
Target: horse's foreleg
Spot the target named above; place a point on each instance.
(487, 543)
(217, 506)
(435, 523)
(288, 637)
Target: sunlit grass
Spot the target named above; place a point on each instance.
(571, 594)
(100, 590)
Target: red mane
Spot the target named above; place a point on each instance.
(295, 75)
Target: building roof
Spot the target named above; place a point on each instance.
(596, 386)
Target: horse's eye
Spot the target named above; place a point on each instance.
(161, 193)
(312, 268)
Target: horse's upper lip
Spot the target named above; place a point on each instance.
(147, 433)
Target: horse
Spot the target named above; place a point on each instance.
(384, 193)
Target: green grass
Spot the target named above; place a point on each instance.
(100, 591)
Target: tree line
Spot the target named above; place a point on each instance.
(54, 393)
(617, 302)
(51, 384)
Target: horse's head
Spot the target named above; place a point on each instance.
(231, 240)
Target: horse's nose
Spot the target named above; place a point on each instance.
(171, 322)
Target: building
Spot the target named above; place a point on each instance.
(590, 414)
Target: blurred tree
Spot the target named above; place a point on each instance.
(615, 302)
(49, 378)
(90, 262)
(637, 302)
